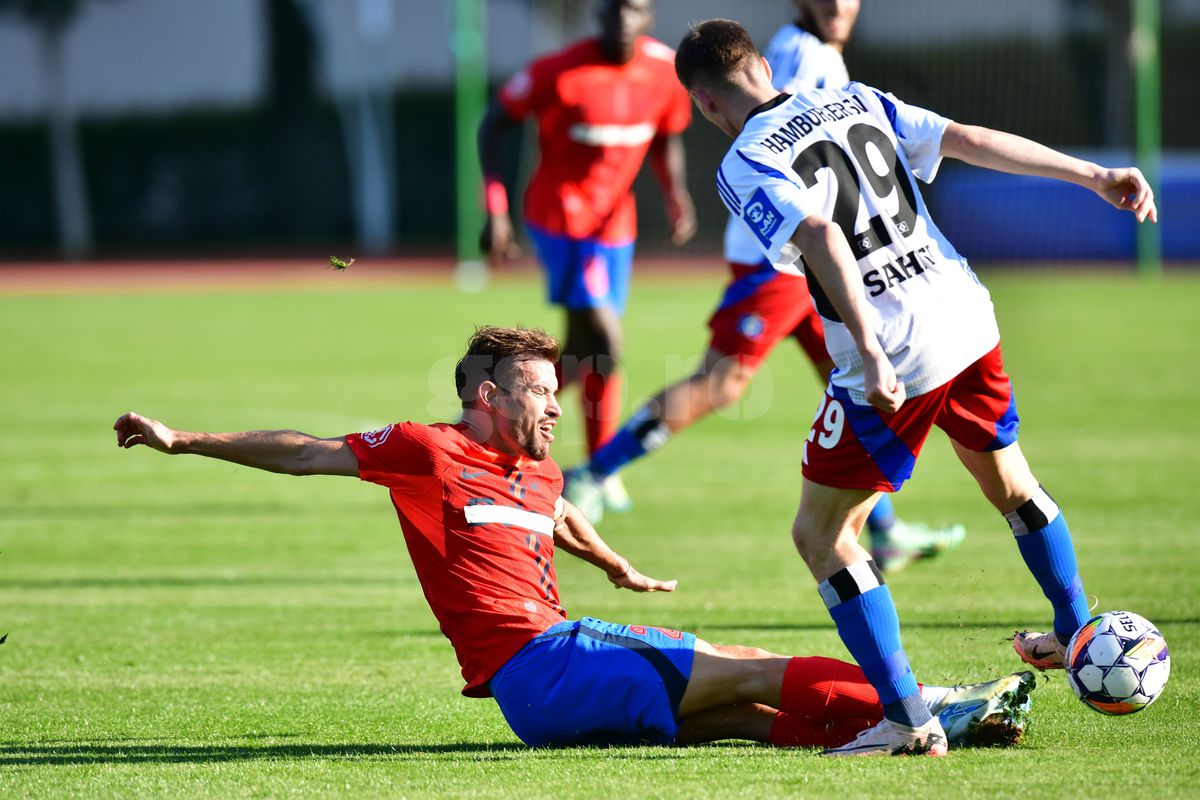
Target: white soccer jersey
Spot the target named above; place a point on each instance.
(798, 61)
(850, 156)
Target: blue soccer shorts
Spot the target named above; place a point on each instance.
(584, 273)
(590, 682)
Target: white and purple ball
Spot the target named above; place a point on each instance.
(1117, 663)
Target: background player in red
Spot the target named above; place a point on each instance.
(481, 513)
(760, 308)
(601, 105)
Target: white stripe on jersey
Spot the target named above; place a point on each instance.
(612, 135)
(507, 515)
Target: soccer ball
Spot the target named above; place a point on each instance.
(1117, 663)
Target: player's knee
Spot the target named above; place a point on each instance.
(803, 537)
(750, 672)
(728, 383)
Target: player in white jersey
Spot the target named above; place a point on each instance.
(825, 181)
(807, 54)
(759, 308)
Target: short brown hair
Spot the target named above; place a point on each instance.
(494, 352)
(711, 51)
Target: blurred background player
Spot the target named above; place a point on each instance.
(760, 308)
(911, 328)
(601, 105)
(481, 512)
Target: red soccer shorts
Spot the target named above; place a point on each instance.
(860, 447)
(759, 309)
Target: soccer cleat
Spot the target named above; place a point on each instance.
(1040, 650)
(988, 714)
(582, 490)
(893, 739)
(907, 542)
(615, 497)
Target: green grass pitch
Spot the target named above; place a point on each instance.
(185, 627)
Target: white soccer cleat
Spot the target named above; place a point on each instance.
(582, 490)
(988, 714)
(1040, 650)
(615, 497)
(893, 739)
(907, 542)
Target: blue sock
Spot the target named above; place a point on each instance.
(1045, 543)
(643, 433)
(882, 516)
(861, 606)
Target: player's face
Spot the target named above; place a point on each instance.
(832, 19)
(527, 409)
(623, 21)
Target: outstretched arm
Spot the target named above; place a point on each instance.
(288, 452)
(669, 165)
(573, 533)
(1126, 188)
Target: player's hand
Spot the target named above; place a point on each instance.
(682, 215)
(1128, 190)
(882, 389)
(498, 240)
(637, 582)
(134, 429)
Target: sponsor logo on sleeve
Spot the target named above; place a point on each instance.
(376, 437)
(762, 216)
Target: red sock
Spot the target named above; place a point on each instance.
(601, 405)
(791, 730)
(828, 691)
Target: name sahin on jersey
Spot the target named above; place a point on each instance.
(802, 124)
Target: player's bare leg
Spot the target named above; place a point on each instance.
(728, 675)
(751, 721)
(827, 526)
(1045, 543)
(749, 693)
(825, 533)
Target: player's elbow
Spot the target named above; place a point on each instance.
(816, 233)
(961, 141)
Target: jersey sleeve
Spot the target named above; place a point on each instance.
(525, 93)
(919, 133)
(397, 456)
(800, 61)
(768, 203)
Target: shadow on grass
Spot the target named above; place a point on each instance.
(90, 512)
(199, 581)
(27, 755)
(13, 754)
(980, 624)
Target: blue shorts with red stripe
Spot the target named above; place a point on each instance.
(589, 682)
(584, 273)
(860, 447)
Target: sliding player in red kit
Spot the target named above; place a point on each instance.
(479, 503)
(601, 106)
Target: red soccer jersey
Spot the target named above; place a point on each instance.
(479, 526)
(596, 120)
